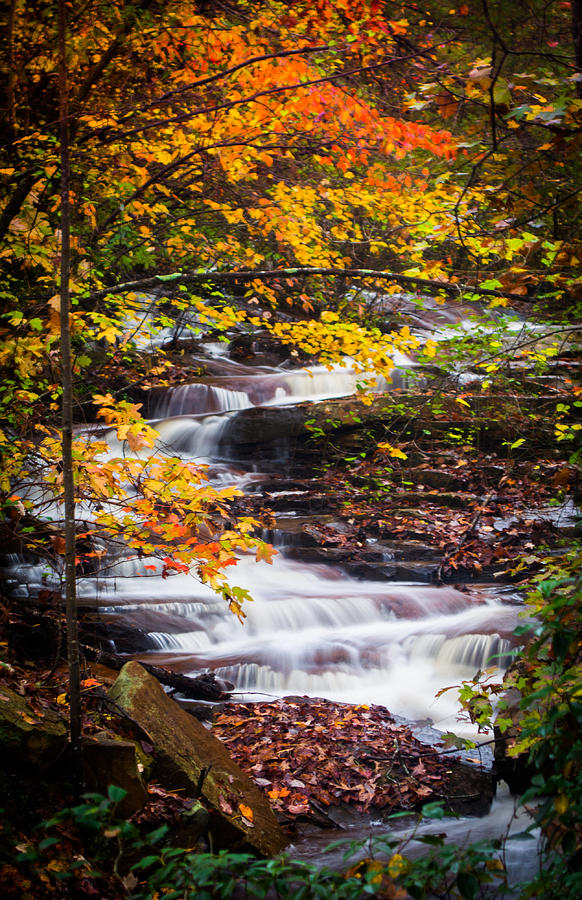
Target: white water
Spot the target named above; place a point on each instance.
(270, 388)
(311, 629)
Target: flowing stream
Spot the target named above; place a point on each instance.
(311, 628)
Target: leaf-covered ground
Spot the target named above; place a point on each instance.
(309, 755)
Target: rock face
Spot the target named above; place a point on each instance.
(260, 426)
(27, 736)
(107, 761)
(188, 757)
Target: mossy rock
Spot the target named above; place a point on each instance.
(189, 758)
(28, 736)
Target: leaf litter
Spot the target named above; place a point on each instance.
(308, 754)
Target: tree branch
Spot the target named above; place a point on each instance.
(246, 275)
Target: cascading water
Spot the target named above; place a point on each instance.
(270, 388)
(310, 628)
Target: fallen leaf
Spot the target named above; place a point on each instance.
(246, 812)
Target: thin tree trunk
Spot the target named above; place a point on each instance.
(67, 416)
(577, 38)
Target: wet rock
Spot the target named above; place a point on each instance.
(471, 776)
(413, 571)
(107, 761)
(141, 623)
(108, 632)
(193, 824)
(264, 425)
(27, 736)
(242, 346)
(435, 478)
(470, 788)
(188, 757)
(457, 500)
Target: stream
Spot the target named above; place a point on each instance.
(312, 628)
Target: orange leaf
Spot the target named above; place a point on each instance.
(266, 552)
(58, 543)
(278, 792)
(246, 811)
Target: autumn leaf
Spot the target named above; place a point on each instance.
(397, 865)
(225, 805)
(265, 552)
(385, 447)
(246, 812)
(277, 793)
(58, 544)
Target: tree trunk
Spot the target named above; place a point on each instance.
(67, 415)
(577, 38)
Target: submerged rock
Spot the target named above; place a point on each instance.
(188, 757)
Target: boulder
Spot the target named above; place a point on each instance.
(262, 425)
(189, 758)
(29, 736)
(109, 761)
(470, 782)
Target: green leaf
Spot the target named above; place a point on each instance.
(115, 793)
(173, 277)
(468, 885)
(433, 811)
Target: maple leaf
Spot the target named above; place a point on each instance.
(276, 793)
(265, 552)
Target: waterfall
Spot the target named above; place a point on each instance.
(311, 628)
(270, 388)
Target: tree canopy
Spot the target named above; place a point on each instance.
(246, 158)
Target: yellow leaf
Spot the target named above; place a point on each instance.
(384, 447)
(561, 804)
(397, 865)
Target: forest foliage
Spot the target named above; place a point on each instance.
(219, 151)
(278, 167)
